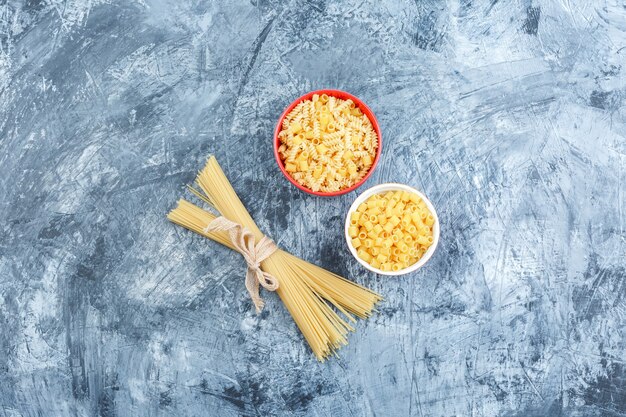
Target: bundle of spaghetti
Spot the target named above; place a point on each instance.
(313, 296)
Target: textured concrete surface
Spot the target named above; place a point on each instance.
(509, 115)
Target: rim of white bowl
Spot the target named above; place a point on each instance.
(381, 188)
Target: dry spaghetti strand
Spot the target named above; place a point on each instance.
(313, 296)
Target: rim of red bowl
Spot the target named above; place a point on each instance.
(344, 96)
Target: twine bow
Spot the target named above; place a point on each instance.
(244, 243)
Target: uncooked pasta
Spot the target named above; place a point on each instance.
(391, 231)
(327, 144)
(323, 304)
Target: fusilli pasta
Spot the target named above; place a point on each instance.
(327, 143)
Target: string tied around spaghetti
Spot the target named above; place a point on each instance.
(254, 253)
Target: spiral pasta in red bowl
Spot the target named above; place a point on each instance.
(327, 142)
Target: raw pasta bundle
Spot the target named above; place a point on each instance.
(327, 144)
(309, 292)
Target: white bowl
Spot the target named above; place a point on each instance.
(383, 188)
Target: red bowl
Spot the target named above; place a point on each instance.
(344, 96)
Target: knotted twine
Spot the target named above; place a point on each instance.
(244, 242)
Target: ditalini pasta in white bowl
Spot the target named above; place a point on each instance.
(392, 229)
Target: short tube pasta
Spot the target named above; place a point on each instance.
(397, 229)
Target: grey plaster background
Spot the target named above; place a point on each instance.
(508, 114)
